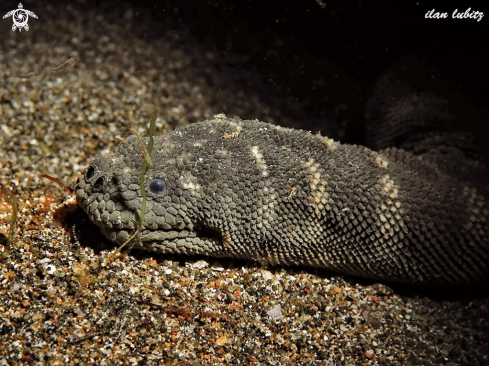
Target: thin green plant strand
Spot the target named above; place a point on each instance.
(146, 165)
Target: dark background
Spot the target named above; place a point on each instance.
(364, 37)
(316, 53)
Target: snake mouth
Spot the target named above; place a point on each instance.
(177, 241)
(118, 224)
(195, 240)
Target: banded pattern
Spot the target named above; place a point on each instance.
(248, 189)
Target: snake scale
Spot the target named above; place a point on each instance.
(227, 187)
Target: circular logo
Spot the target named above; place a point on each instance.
(20, 18)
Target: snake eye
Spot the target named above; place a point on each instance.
(90, 172)
(157, 186)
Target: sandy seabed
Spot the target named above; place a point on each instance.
(61, 303)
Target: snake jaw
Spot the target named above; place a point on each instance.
(183, 237)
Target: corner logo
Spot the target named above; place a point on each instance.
(20, 17)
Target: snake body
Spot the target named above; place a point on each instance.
(236, 188)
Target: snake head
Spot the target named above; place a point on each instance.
(109, 191)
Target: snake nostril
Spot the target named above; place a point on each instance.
(97, 186)
(90, 172)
